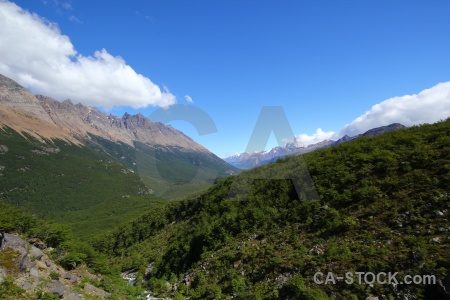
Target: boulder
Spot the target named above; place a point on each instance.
(36, 252)
(58, 289)
(34, 272)
(16, 243)
(70, 277)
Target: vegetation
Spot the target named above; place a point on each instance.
(74, 185)
(376, 204)
(382, 206)
(169, 171)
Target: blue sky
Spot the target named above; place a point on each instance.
(327, 63)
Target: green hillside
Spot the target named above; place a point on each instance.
(96, 186)
(73, 184)
(168, 171)
(382, 206)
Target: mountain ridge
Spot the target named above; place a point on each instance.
(77, 121)
(250, 160)
(165, 158)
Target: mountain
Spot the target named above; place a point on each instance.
(371, 132)
(82, 120)
(164, 157)
(250, 160)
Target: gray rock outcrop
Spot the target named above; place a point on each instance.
(36, 252)
(16, 243)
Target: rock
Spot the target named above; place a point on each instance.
(48, 263)
(27, 286)
(58, 289)
(38, 243)
(3, 149)
(435, 240)
(73, 296)
(34, 272)
(94, 291)
(439, 213)
(372, 298)
(316, 249)
(70, 277)
(149, 270)
(16, 243)
(36, 252)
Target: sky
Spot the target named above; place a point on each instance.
(335, 67)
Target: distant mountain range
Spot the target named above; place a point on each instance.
(250, 160)
(157, 151)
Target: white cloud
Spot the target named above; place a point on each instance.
(188, 99)
(429, 106)
(304, 140)
(35, 53)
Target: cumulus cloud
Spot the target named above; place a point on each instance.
(428, 106)
(188, 99)
(304, 140)
(35, 53)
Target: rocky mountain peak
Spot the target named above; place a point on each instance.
(80, 120)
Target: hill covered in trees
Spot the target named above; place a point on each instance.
(375, 204)
(382, 205)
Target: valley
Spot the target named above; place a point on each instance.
(176, 220)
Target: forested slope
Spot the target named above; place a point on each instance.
(70, 183)
(382, 206)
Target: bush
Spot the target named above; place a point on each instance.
(54, 275)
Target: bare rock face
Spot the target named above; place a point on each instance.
(82, 120)
(44, 117)
(14, 95)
